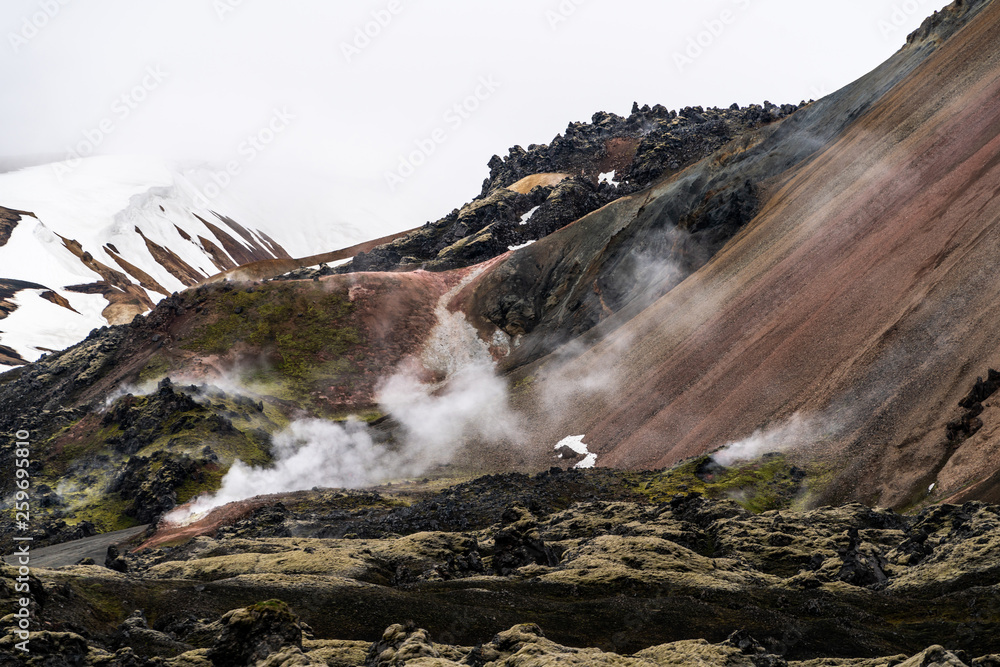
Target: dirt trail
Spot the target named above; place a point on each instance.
(70, 553)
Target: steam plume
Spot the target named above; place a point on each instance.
(435, 420)
(797, 432)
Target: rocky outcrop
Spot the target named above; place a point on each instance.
(532, 193)
(639, 149)
(519, 543)
(251, 635)
(135, 635)
(8, 222)
(136, 455)
(399, 645)
(150, 483)
(944, 23)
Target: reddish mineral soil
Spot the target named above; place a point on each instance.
(208, 525)
(865, 297)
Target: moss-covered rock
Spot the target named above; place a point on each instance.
(253, 634)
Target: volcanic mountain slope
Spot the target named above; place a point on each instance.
(853, 313)
(753, 337)
(625, 255)
(102, 242)
(321, 347)
(531, 193)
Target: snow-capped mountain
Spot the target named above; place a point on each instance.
(102, 240)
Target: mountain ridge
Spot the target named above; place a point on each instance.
(121, 230)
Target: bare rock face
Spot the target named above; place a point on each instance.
(532, 193)
(136, 635)
(48, 649)
(8, 221)
(519, 543)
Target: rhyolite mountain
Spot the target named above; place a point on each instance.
(97, 242)
(810, 287)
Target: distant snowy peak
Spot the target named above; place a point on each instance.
(102, 242)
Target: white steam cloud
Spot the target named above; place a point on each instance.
(309, 453)
(473, 403)
(575, 371)
(435, 420)
(797, 432)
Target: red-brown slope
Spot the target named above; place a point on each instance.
(391, 314)
(865, 295)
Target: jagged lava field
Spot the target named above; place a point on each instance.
(694, 387)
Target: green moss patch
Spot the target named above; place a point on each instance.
(106, 512)
(301, 327)
(210, 480)
(154, 369)
(768, 483)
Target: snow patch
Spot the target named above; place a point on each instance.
(575, 442)
(518, 247)
(39, 325)
(609, 177)
(527, 216)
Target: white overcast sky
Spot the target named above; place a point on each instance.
(228, 64)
